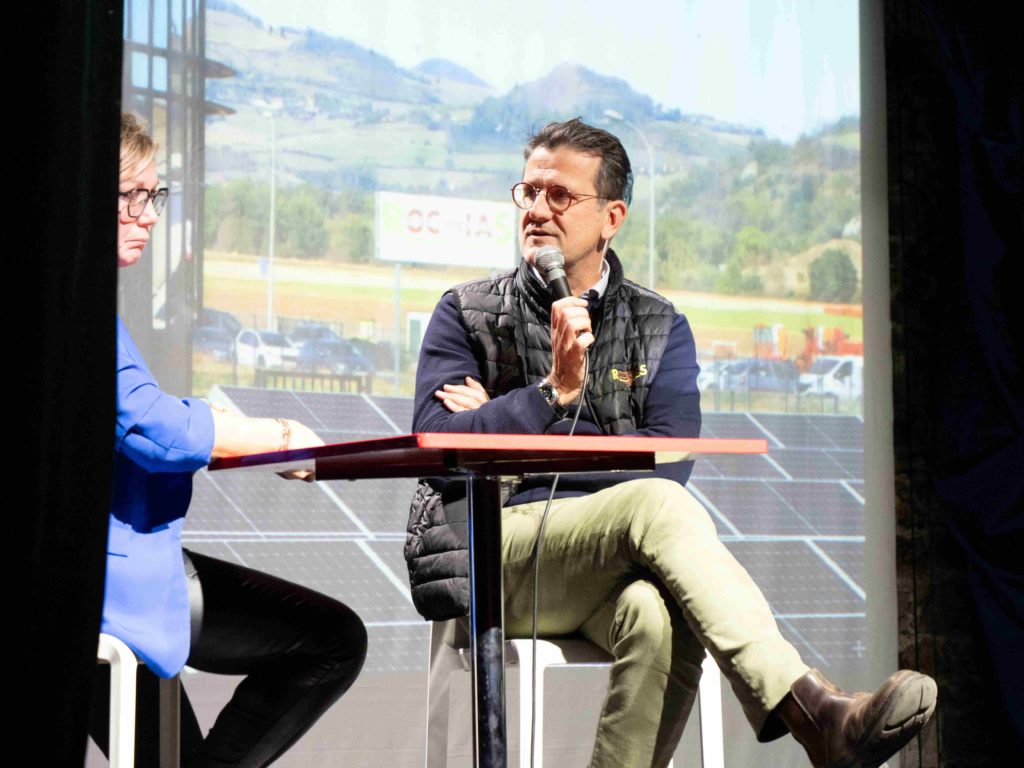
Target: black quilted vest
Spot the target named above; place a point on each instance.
(508, 319)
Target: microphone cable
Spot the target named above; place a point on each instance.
(590, 408)
(536, 565)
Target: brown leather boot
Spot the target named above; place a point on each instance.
(860, 730)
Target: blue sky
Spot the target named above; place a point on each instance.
(787, 66)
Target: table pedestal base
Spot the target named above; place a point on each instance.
(487, 621)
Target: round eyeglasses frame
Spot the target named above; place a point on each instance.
(136, 200)
(525, 195)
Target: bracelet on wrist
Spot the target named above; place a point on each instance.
(286, 434)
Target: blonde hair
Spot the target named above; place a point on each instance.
(137, 148)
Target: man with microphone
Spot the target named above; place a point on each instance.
(631, 561)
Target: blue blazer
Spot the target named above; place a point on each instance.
(160, 441)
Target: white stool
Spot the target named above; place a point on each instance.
(123, 667)
(449, 653)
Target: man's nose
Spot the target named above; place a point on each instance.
(540, 208)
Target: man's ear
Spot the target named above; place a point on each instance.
(615, 213)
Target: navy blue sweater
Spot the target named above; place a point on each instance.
(672, 408)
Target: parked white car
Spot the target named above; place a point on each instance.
(710, 376)
(837, 376)
(265, 349)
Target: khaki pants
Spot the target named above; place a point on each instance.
(638, 570)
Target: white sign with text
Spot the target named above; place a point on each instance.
(425, 229)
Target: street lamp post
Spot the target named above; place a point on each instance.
(273, 219)
(612, 114)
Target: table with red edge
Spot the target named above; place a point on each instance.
(484, 461)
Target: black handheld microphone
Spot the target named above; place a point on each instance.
(551, 264)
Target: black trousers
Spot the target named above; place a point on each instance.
(299, 650)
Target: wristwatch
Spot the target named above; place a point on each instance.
(550, 394)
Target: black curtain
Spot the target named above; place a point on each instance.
(72, 125)
(956, 156)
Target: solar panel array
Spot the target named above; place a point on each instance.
(793, 518)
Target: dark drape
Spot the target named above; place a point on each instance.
(956, 153)
(71, 124)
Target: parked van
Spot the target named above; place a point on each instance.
(751, 374)
(837, 376)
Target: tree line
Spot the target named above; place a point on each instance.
(722, 223)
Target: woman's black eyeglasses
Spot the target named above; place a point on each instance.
(136, 200)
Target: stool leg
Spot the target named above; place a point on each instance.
(444, 662)
(170, 722)
(712, 747)
(524, 650)
(123, 668)
(548, 655)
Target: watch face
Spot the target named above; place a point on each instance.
(549, 392)
(551, 395)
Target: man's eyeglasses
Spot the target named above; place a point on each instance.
(559, 198)
(136, 200)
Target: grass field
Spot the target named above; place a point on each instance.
(323, 291)
(362, 296)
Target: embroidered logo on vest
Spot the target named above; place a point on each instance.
(628, 377)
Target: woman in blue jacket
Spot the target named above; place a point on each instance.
(300, 650)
